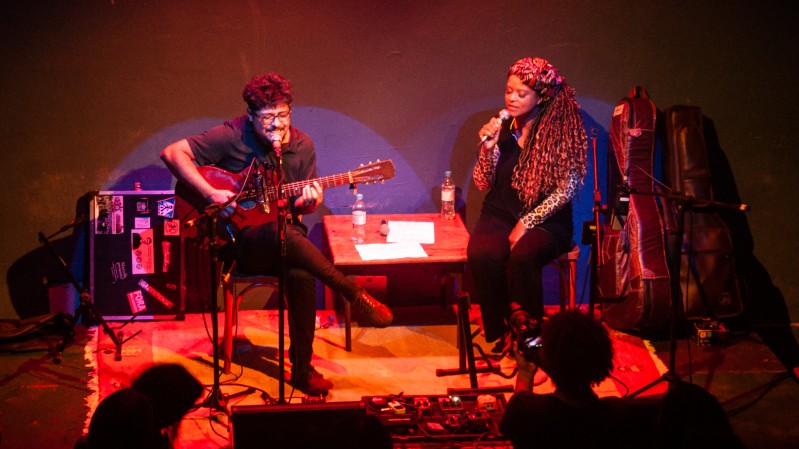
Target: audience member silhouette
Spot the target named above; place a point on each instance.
(145, 415)
(173, 392)
(576, 352)
(693, 418)
(123, 420)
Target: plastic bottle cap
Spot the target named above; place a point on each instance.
(447, 173)
(359, 196)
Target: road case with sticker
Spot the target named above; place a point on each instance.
(135, 251)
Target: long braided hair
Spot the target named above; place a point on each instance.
(559, 145)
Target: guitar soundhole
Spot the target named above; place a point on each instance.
(247, 204)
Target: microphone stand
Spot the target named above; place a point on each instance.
(596, 242)
(282, 214)
(215, 400)
(681, 203)
(262, 193)
(86, 303)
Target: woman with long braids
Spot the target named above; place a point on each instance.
(532, 165)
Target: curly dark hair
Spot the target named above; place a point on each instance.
(267, 90)
(557, 149)
(576, 350)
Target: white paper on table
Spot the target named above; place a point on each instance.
(384, 251)
(411, 231)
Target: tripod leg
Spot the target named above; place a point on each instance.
(118, 349)
(58, 350)
(466, 347)
(466, 332)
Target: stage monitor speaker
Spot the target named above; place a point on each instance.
(299, 426)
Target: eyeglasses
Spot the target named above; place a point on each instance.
(269, 118)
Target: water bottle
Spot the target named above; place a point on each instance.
(448, 197)
(358, 219)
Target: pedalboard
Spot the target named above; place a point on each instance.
(449, 417)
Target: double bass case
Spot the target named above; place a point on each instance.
(633, 275)
(708, 280)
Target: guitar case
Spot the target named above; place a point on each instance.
(633, 274)
(708, 283)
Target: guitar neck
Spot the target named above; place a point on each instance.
(291, 189)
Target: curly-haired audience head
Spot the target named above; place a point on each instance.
(172, 390)
(576, 350)
(267, 91)
(559, 147)
(124, 420)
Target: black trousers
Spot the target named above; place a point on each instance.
(502, 276)
(258, 252)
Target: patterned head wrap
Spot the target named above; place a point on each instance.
(538, 74)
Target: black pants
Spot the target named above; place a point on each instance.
(258, 252)
(502, 276)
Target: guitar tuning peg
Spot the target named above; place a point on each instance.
(361, 165)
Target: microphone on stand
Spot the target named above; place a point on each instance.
(190, 223)
(502, 116)
(209, 211)
(276, 140)
(260, 193)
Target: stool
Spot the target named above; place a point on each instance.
(232, 301)
(566, 264)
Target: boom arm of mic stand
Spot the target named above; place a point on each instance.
(678, 197)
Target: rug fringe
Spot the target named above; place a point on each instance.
(89, 354)
(661, 367)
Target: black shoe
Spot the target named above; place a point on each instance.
(373, 310)
(310, 381)
(503, 344)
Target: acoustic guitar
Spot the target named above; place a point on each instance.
(256, 182)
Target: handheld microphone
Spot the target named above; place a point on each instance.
(260, 193)
(502, 116)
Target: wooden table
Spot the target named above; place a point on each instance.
(447, 254)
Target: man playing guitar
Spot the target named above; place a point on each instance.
(265, 133)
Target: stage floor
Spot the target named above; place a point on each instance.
(47, 404)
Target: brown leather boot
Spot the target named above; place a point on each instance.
(373, 310)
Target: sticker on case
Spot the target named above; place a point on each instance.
(141, 251)
(166, 207)
(172, 228)
(156, 294)
(136, 302)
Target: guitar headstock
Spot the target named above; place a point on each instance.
(372, 172)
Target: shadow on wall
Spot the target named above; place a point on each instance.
(765, 310)
(38, 277)
(43, 274)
